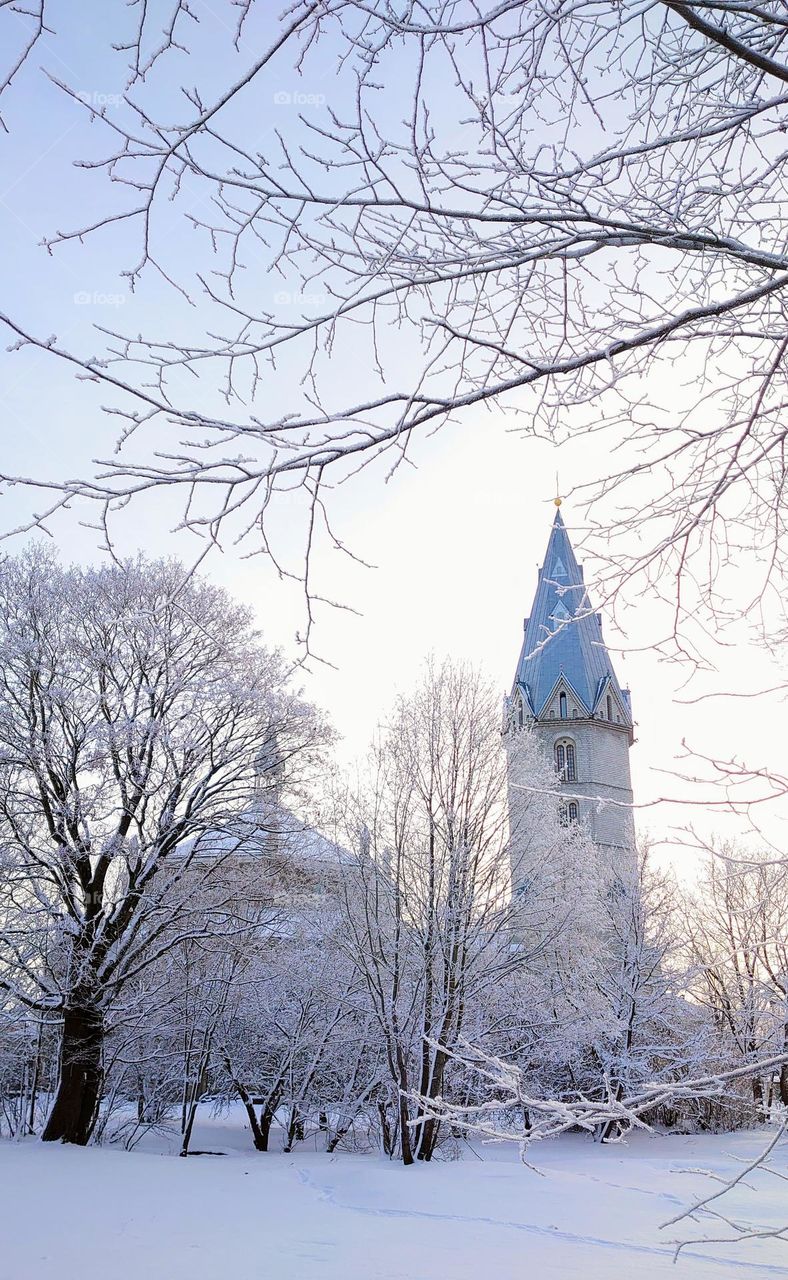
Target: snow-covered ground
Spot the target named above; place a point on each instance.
(592, 1212)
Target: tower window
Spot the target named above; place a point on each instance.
(568, 814)
(562, 705)
(565, 761)
(609, 707)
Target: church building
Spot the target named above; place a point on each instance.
(566, 690)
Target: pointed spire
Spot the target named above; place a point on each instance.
(563, 640)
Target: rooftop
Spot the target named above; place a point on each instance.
(563, 637)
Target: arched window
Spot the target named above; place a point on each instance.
(562, 705)
(520, 713)
(565, 761)
(609, 707)
(568, 814)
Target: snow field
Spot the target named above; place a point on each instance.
(589, 1213)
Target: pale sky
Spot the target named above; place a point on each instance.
(455, 539)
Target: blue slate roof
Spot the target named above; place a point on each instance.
(563, 637)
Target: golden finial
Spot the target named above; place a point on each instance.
(557, 500)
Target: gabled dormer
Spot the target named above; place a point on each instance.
(612, 703)
(518, 708)
(563, 702)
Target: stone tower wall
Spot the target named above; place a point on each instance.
(603, 775)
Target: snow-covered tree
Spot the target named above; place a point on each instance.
(135, 703)
(737, 941)
(295, 1046)
(427, 899)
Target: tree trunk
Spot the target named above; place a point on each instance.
(386, 1135)
(430, 1127)
(266, 1120)
(335, 1139)
(74, 1112)
(295, 1130)
(784, 1070)
(610, 1129)
(192, 1096)
(186, 1135)
(31, 1117)
(784, 1084)
(404, 1135)
(757, 1097)
(259, 1139)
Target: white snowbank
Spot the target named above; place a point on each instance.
(593, 1214)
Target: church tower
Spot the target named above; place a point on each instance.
(566, 689)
